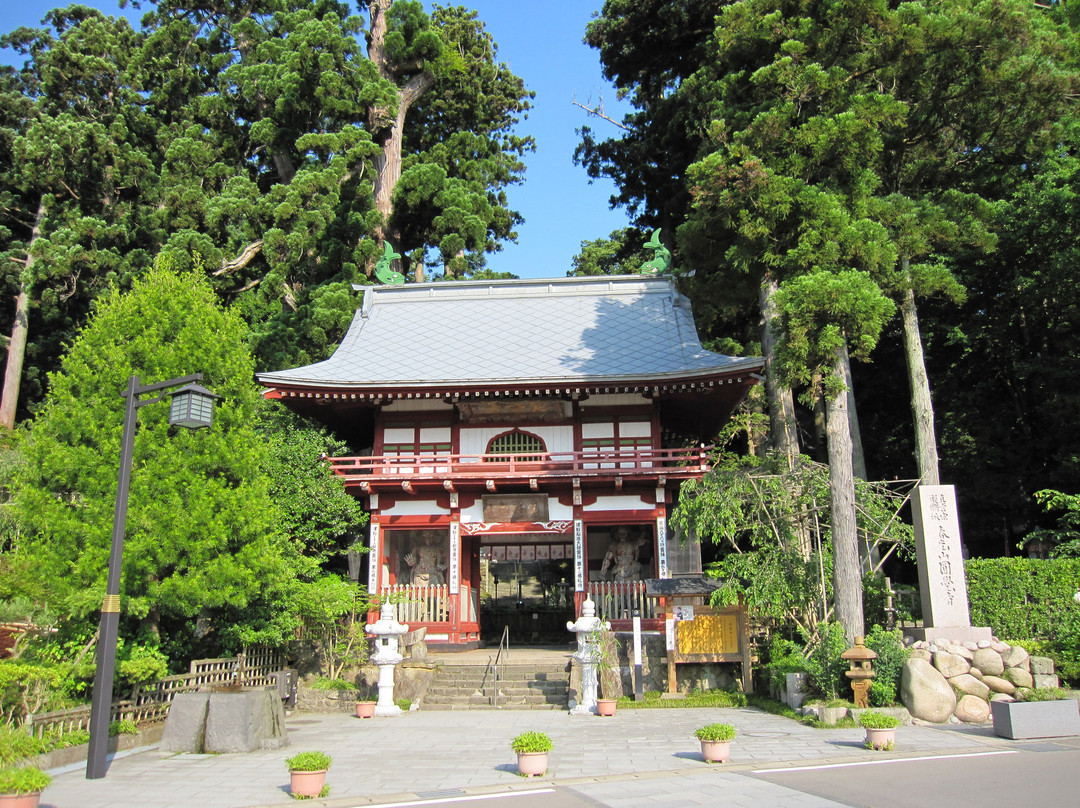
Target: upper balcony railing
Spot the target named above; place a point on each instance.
(626, 463)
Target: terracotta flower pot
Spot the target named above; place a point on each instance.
(365, 709)
(605, 706)
(532, 764)
(20, 800)
(880, 738)
(716, 751)
(307, 784)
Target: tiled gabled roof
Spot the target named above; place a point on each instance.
(554, 331)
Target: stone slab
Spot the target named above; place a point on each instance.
(186, 724)
(958, 633)
(942, 587)
(244, 722)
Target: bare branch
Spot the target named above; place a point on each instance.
(246, 256)
(598, 111)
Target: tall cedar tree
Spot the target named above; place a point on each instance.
(888, 107)
(292, 151)
(276, 142)
(75, 172)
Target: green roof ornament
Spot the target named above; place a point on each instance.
(661, 260)
(382, 267)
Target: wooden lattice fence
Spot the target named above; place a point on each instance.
(255, 667)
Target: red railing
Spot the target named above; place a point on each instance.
(675, 463)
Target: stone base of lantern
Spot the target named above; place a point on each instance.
(950, 633)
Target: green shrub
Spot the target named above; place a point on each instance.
(138, 664)
(824, 666)
(27, 688)
(322, 683)
(715, 732)
(17, 744)
(309, 762)
(706, 698)
(1022, 597)
(1041, 694)
(530, 742)
(888, 667)
(123, 727)
(784, 657)
(874, 720)
(23, 780)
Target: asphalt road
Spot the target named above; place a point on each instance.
(1044, 773)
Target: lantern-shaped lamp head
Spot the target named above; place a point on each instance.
(192, 406)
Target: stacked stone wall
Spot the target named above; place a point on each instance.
(956, 681)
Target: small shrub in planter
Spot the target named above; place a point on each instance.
(1038, 713)
(880, 729)
(715, 732)
(715, 742)
(874, 720)
(531, 748)
(530, 743)
(309, 762)
(307, 771)
(22, 785)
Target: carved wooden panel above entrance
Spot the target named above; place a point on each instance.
(513, 412)
(516, 508)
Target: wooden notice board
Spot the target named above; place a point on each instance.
(703, 634)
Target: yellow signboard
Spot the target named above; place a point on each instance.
(709, 634)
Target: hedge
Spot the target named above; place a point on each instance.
(1023, 598)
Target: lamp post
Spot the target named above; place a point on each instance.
(191, 407)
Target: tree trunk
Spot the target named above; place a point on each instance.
(847, 572)
(785, 435)
(869, 555)
(20, 329)
(922, 406)
(858, 458)
(390, 137)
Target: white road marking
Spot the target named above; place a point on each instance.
(448, 800)
(880, 762)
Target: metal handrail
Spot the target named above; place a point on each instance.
(503, 641)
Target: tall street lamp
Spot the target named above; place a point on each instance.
(192, 406)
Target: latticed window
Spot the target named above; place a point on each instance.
(523, 445)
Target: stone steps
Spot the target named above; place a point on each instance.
(530, 686)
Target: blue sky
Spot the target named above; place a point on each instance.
(541, 42)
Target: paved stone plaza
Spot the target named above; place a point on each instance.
(637, 755)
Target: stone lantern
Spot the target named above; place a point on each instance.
(386, 631)
(588, 628)
(860, 672)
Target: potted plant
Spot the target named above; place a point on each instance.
(715, 742)
(365, 709)
(21, 786)
(532, 750)
(880, 729)
(1038, 713)
(307, 772)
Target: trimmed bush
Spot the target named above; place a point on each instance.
(1022, 597)
(309, 762)
(1030, 599)
(715, 733)
(531, 742)
(23, 780)
(875, 720)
